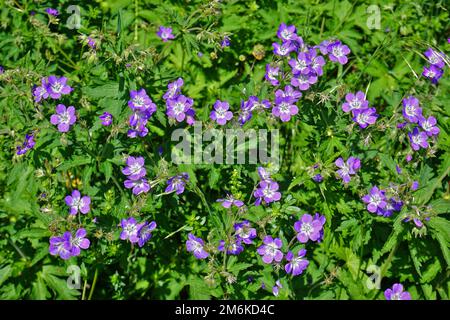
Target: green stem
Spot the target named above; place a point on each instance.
(93, 284)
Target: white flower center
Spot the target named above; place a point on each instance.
(306, 228)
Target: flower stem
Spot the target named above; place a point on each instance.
(93, 284)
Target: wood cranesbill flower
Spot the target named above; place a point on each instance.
(397, 293)
(78, 242)
(308, 228)
(130, 229)
(284, 49)
(289, 92)
(178, 107)
(145, 232)
(245, 232)
(304, 81)
(196, 246)
(411, 109)
(296, 264)
(433, 73)
(418, 139)
(272, 74)
(337, 52)
(270, 250)
(267, 191)
(135, 168)
(57, 86)
(138, 186)
(165, 33)
(52, 12)
(40, 92)
(429, 125)
(27, 144)
(60, 246)
(375, 200)
(225, 42)
(177, 183)
(347, 168)
(365, 117)
(301, 64)
(78, 203)
(233, 247)
(221, 113)
(284, 108)
(173, 89)
(434, 58)
(287, 33)
(355, 102)
(64, 117)
(106, 118)
(230, 201)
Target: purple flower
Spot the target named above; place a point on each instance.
(415, 185)
(139, 100)
(264, 174)
(347, 168)
(376, 200)
(322, 220)
(267, 191)
(411, 110)
(245, 113)
(393, 205)
(434, 58)
(270, 250)
(78, 203)
(56, 86)
(233, 247)
(135, 168)
(398, 169)
(284, 49)
(195, 245)
(316, 62)
(308, 228)
(289, 92)
(364, 117)
(433, 73)
(229, 201)
(177, 183)
(27, 144)
(245, 232)
(64, 117)
(253, 103)
(276, 288)
(2, 70)
(177, 107)
(272, 74)
(318, 178)
(304, 81)
(225, 42)
(106, 118)
(221, 114)
(337, 52)
(397, 293)
(301, 64)
(41, 92)
(52, 12)
(139, 186)
(60, 246)
(323, 47)
(145, 232)
(173, 89)
(296, 264)
(286, 33)
(284, 109)
(165, 33)
(79, 242)
(418, 139)
(91, 43)
(408, 157)
(355, 102)
(429, 125)
(130, 230)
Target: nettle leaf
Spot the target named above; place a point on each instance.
(440, 229)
